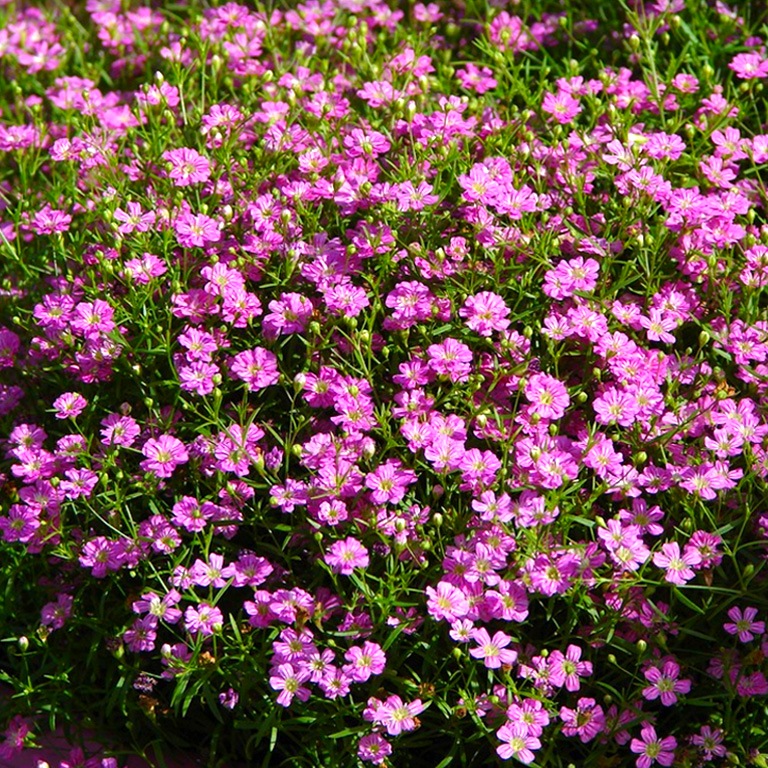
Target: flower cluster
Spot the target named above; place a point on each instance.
(359, 402)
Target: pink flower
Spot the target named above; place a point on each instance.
(478, 80)
(509, 601)
(562, 106)
(410, 198)
(288, 679)
(658, 326)
(163, 455)
(517, 743)
(452, 359)
(101, 555)
(55, 615)
(529, 713)
(344, 556)
(652, 749)
(615, 406)
(361, 142)
(289, 314)
(373, 748)
(665, 684)
(134, 219)
(14, 734)
(196, 230)
(485, 313)
(199, 377)
(93, 319)
(257, 367)
(364, 662)
(586, 721)
(394, 714)
(566, 669)
(677, 565)
(205, 619)
(69, 405)
(547, 395)
(710, 742)
(142, 634)
(119, 430)
(749, 66)
(389, 482)
(446, 602)
(187, 166)
(744, 624)
(493, 651)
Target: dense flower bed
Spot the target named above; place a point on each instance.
(385, 385)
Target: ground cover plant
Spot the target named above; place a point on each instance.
(385, 383)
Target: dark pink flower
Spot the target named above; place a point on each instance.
(652, 749)
(288, 679)
(205, 619)
(187, 166)
(665, 683)
(344, 556)
(163, 455)
(743, 623)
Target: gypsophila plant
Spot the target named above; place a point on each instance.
(385, 383)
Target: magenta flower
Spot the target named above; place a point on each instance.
(256, 367)
(485, 313)
(749, 66)
(135, 218)
(562, 106)
(446, 602)
(196, 230)
(142, 634)
(517, 743)
(710, 742)
(187, 166)
(509, 601)
(743, 624)
(69, 405)
(199, 377)
(547, 395)
(567, 669)
(119, 430)
(163, 455)
(665, 684)
(364, 662)
(493, 651)
(92, 319)
(14, 734)
(389, 482)
(55, 615)
(344, 556)
(410, 198)
(652, 749)
(530, 714)
(586, 721)
(101, 555)
(373, 748)
(451, 358)
(677, 565)
(205, 619)
(20, 524)
(397, 716)
(288, 679)
(289, 314)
